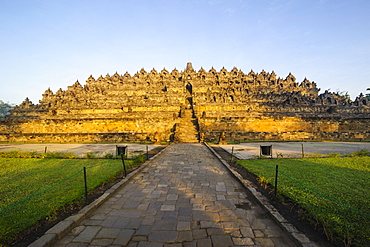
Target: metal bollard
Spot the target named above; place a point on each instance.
(85, 180)
(276, 179)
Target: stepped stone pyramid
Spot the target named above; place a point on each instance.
(188, 106)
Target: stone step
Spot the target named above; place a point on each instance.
(188, 141)
(187, 125)
(180, 136)
(194, 140)
(187, 129)
(193, 133)
(187, 135)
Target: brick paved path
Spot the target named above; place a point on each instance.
(185, 197)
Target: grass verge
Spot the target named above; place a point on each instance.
(35, 190)
(333, 192)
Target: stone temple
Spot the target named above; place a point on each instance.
(188, 106)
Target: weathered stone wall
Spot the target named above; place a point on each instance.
(286, 128)
(158, 105)
(320, 122)
(88, 130)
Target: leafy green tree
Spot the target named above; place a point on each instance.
(368, 94)
(344, 94)
(5, 108)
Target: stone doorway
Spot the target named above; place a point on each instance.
(189, 96)
(189, 89)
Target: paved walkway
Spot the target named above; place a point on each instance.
(185, 197)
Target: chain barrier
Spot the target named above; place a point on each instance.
(312, 190)
(30, 197)
(60, 182)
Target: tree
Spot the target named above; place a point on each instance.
(368, 94)
(5, 108)
(344, 94)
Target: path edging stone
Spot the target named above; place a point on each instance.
(300, 238)
(58, 231)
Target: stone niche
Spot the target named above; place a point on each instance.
(188, 106)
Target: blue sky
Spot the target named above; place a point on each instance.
(50, 43)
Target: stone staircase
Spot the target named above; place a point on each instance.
(187, 129)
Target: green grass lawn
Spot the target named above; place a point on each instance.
(333, 192)
(48, 185)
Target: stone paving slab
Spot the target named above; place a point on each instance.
(185, 197)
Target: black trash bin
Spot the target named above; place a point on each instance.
(266, 150)
(121, 150)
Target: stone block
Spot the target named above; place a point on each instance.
(163, 236)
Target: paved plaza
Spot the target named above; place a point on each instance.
(79, 149)
(184, 197)
(242, 150)
(294, 149)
